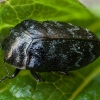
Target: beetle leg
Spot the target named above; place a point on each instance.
(12, 76)
(41, 77)
(37, 77)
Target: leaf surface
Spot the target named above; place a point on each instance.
(82, 84)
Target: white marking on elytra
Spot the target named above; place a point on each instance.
(32, 26)
(90, 50)
(58, 24)
(76, 49)
(72, 30)
(77, 63)
(87, 30)
(45, 24)
(50, 31)
(76, 28)
(52, 48)
(90, 35)
(70, 24)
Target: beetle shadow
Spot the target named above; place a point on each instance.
(54, 77)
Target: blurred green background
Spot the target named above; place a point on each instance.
(82, 84)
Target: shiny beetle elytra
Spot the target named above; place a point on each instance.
(49, 46)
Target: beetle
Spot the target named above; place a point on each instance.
(49, 46)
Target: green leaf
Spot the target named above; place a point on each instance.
(82, 84)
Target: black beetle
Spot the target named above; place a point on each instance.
(49, 46)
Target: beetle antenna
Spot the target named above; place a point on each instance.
(6, 68)
(4, 78)
(7, 76)
(15, 73)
